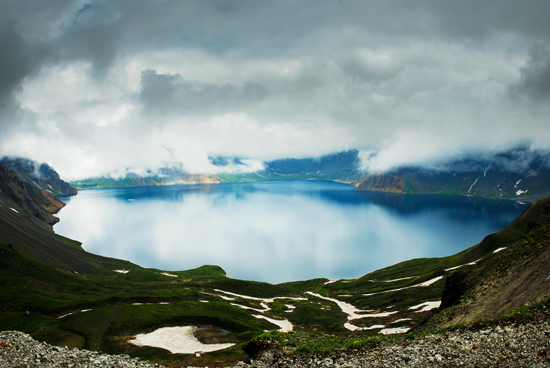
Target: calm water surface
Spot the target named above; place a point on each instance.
(277, 231)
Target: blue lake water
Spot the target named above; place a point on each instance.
(277, 231)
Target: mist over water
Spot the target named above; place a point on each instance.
(277, 231)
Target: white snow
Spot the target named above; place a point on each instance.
(226, 297)
(350, 310)
(515, 186)
(285, 325)
(520, 192)
(14, 210)
(65, 315)
(122, 271)
(403, 278)
(266, 308)
(426, 306)
(168, 274)
(395, 330)
(401, 320)
(351, 327)
(290, 308)
(466, 264)
(177, 340)
(499, 249)
(469, 190)
(423, 284)
(265, 300)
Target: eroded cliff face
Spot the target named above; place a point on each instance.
(42, 176)
(507, 278)
(36, 202)
(383, 183)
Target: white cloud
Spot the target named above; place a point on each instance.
(105, 86)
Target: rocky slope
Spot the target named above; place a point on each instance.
(38, 203)
(42, 175)
(520, 342)
(520, 175)
(20, 350)
(516, 273)
(504, 344)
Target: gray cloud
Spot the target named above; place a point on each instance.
(165, 94)
(100, 85)
(535, 76)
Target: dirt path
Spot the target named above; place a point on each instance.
(94, 345)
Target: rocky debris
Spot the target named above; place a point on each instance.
(523, 345)
(490, 345)
(20, 350)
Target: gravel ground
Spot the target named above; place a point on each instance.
(525, 345)
(19, 350)
(511, 345)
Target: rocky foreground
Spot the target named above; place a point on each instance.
(504, 344)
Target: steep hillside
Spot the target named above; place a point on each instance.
(42, 175)
(481, 179)
(27, 198)
(514, 272)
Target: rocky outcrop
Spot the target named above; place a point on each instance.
(43, 176)
(38, 203)
(383, 183)
(20, 350)
(514, 273)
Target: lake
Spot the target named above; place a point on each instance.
(277, 231)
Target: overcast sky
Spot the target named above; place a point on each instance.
(96, 86)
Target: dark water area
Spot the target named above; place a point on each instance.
(277, 231)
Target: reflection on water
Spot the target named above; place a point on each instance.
(277, 231)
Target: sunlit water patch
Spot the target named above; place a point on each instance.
(277, 231)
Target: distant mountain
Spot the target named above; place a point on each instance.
(505, 176)
(164, 176)
(20, 196)
(341, 166)
(40, 175)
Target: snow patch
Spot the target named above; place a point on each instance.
(122, 271)
(177, 340)
(14, 210)
(168, 274)
(285, 325)
(403, 278)
(423, 284)
(427, 306)
(471, 186)
(351, 327)
(499, 249)
(395, 330)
